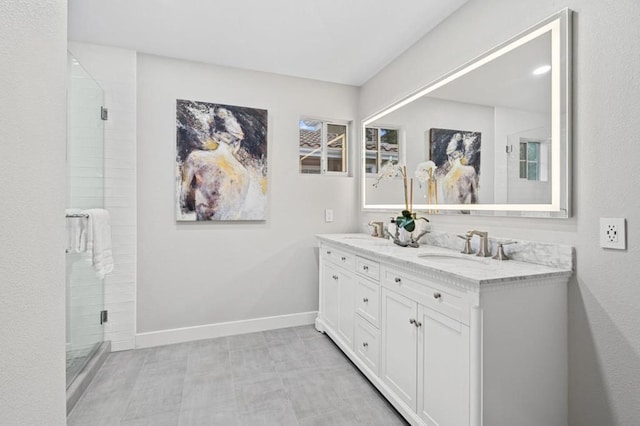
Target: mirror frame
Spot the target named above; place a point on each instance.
(560, 27)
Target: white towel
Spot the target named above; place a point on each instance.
(76, 231)
(99, 241)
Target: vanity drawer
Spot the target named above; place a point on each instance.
(368, 268)
(438, 297)
(368, 300)
(367, 340)
(338, 257)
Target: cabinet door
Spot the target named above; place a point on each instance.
(347, 307)
(443, 369)
(368, 300)
(329, 304)
(399, 341)
(366, 344)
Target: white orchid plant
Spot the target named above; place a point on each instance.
(424, 171)
(390, 170)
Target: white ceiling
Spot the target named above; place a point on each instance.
(342, 41)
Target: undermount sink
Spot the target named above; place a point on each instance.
(369, 240)
(357, 237)
(451, 258)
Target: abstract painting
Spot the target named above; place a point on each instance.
(456, 154)
(221, 162)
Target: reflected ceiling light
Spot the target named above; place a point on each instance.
(541, 70)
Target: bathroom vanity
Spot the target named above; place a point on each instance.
(448, 338)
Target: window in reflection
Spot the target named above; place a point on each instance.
(534, 160)
(381, 145)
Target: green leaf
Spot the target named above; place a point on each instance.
(406, 222)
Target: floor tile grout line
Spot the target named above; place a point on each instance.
(184, 379)
(286, 392)
(133, 386)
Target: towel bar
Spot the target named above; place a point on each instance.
(77, 215)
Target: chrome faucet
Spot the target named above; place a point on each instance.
(378, 229)
(500, 255)
(484, 242)
(467, 244)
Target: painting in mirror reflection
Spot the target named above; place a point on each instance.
(456, 154)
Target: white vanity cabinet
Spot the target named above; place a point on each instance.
(338, 292)
(443, 369)
(425, 359)
(465, 346)
(398, 366)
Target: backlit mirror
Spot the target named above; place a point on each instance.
(497, 130)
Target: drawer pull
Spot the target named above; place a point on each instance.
(343, 258)
(335, 277)
(365, 267)
(365, 300)
(365, 344)
(398, 280)
(437, 296)
(329, 252)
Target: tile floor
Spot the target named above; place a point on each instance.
(291, 376)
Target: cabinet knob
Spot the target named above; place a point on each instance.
(437, 296)
(365, 300)
(365, 267)
(365, 344)
(418, 324)
(412, 321)
(335, 277)
(343, 258)
(328, 251)
(398, 280)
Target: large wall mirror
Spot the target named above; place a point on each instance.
(497, 130)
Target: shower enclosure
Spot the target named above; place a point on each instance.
(528, 178)
(85, 189)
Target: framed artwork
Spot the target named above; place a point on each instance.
(221, 162)
(456, 154)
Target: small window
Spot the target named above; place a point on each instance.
(381, 145)
(323, 147)
(533, 162)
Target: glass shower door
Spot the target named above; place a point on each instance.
(85, 190)
(528, 167)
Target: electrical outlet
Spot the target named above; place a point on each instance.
(613, 233)
(328, 215)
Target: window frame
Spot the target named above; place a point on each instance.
(324, 146)
(379, 159)
(527, 161)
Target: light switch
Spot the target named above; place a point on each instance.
(328, 215)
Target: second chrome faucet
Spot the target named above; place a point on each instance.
(484, 242)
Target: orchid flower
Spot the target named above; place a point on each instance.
(424, 171)
(389, 170)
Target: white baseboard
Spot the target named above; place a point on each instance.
(210, 331)
(122, 345)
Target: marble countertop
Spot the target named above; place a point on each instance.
(469, 268)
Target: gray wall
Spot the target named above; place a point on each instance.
(32, 189)
(192, 274)
(604, 336)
